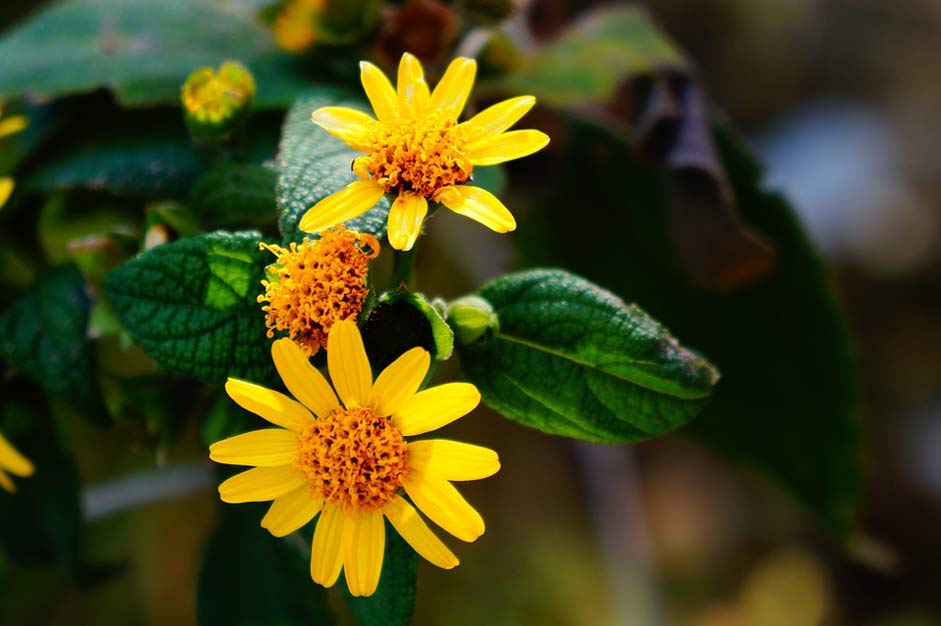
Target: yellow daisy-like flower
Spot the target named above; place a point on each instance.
(341, 453)
(13, 462)
(313, 285)
(417, 150)
(9, 126)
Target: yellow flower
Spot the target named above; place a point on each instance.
(9, 126)
(316, 284)
(295, 26)
(216, 102)
(348, 462)
(417, 150)
(13, 462)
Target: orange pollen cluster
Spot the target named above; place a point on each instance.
(420, 155)
(353, 458)
(312, 286)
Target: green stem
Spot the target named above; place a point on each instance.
(402, 267)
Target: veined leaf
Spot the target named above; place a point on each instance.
(44, 335)
(568, 358)
(142, 50)
(235, 195)
(312, 164)
(191, 305)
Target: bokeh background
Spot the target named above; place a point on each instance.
(840, 100)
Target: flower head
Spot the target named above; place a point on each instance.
(295, 25)
(9, 126)
(13, 462)
(342, 453)
(417, 150)
(214, 103)
(313, 285)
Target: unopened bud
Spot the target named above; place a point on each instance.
(216, 103)
(470, 318)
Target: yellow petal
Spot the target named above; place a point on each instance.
(452, 460)
(495, 119)
(451, 92)
(363, 548)
(405, 220)
(12, 461)
(413, 91)
(275, 407)
(348, 124)
(436, 407)
(399, 381)
(6, 189)
(441, 502)
(13, 124)
(478, 204)
(6, 483)
(351, 201)
(379, 91)
(291, 511)
(302, 379)
(264, 448)
(261, 484)
(512, 145)
(348, 364)
(406, 521)
(326, 555)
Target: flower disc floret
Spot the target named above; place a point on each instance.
(353, 458)
(312, 286)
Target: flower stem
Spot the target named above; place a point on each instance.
(402, 267)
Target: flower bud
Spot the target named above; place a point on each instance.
(470, 318)
(216, 103)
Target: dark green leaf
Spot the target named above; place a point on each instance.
(403, 320)
(42, 520)
(594, 57)
(571, 359)
(787, 404)
(142, 50)
(394, 600)
(249, 578)
(312, 164)
(142, 154)
(235, 195)
(191, 305)
(43, 334)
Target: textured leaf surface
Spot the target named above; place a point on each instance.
(42, 521)
(43, 334)
(249, 578)
(598, 53)
(572, 359)
(191, 305)
(142, 50)
(394, 600)
(235, 195)
(312, 164)
(787, 404)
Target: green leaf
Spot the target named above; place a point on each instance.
(571, 359)
(249, 578)
(140, 49)
(191, 305)
(788, 404)
(312, 164)
(594, 57)
(235, 195)
(43, 334)
(42, 521)
(137, 154)
(394, 600)
(403, 320)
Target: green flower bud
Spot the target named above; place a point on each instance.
(216, 103)
(471, 317)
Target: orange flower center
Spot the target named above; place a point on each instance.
(420, 155)
(353, 458)
(312, 286)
